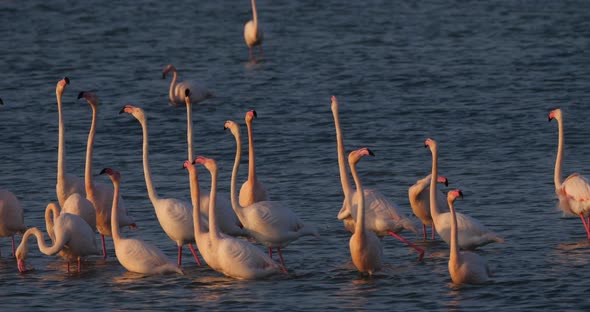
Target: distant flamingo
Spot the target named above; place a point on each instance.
(178, 89)
(365, 247)
(11, 216)
(67, 184)
(252, 190)
(381, 216)
(233, 257)
(419, 195)
(574, 192)
(133, 254)
(253, 33)
(73, 240)
(472, 233)
(100, 195)
(465, 267)
(226, 217)
(269, 222)
(175, 216)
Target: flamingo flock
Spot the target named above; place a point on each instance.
(225, 227)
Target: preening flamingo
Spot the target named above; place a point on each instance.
(252, 190)
(73, 240)
(100, 195)
(419, 195)
(233, 257)
(465, 267)
(133, 254)
(381, 216)
(269, 222)
(199, 92)
(67, 184)
(574, 192)
(472, 233)
(253, 34)
(365, 247)
(11, 216)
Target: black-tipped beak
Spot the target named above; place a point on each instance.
(224, 128)
(122, 110)
(163, 75)
(461, 194)
(80, 95)
(103, 171)
(255, 115)
(370, 152)
(549, 118)
(187, 92)
(447, 182)
(67, 80)
(1, 102)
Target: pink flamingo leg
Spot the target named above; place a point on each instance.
(13, 250)
(433, 232)
(68, 266)
(79, 265)
(261, 53)
(424, 230)
(251, 58)
(179, 255)
(104, 247)
(418, 249)
(190, 246)
(270, 252)
(586, 226)
(281, 257)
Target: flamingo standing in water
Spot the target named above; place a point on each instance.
(365, 247)
(100, 195)
(419, 195)
(252, 190)
(269, 222)
(73, 238)
(574, 192)
(133, 254)
(465, 267)
(253, 34)
(233, 257)
(381, 216)
(11, 216)
(471, 233)
(177, 91)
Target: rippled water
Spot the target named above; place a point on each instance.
(478, 77)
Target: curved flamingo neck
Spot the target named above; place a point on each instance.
(254, 13)
(172, 85)
(89, 150)
(147, 171)
(50, 220)
(61, 148)
(44, 248)
(234, 177)
(433, 178)
(115, 213)
(251, 157)
(346, 188)
(454, 253)
(559, 158)
(195, 195)
(189, 130)
(213, 229)
(359, 226)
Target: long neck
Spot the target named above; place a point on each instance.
(61, 148)
(254, 13)
(559, 159)
(213, 230)
(195, 195)
(433, 178)
(251, 157)
(115, 213)
(147, 171)
(454, 234)
(360, 215)
(341, 157)
(189, 130)
(172, 84)
(44, 248)
(89, 148)
(49, 220)
(234, 177)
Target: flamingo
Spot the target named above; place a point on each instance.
(11, 216)
(253, 32)
(419, 195)
(226, 217)
(252, 190)
(269, 222)
(178, 90)
(175, 216)
(133, 254)
(225, 254)
(381, 216)
(465, 267)
(76, 204)
(101, 195)
(73, 239)
(472, 233)
(365, 247)
(574, 192)
(67, 184)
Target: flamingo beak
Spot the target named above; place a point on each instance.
(21, 266)
(80, 95)
(67, 80)
(103, 171)
(371, 152)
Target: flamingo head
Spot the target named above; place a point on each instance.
(209, 163)
(90, 97)
(61, 85)
(187, 92)
(21, 254)
(188, 165)
(233, 127)
(167, 69)
(251, 115)
(431, 143)
(134, 111)
(452, 195)
(112, 173)
(443, 180)
(555, 114)
(355, 156)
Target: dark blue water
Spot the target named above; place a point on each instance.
(479, 77)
